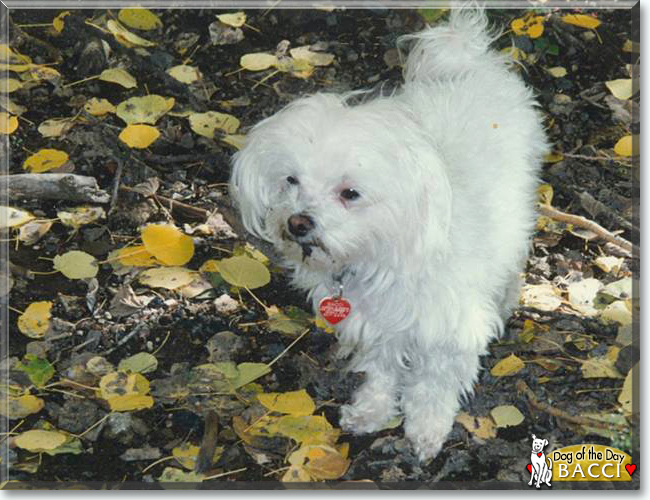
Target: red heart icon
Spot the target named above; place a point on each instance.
(539, 454)
(630, 468)
(529, 467)
(334, 309)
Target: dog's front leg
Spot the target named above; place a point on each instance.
(430, 398)
(375, 402)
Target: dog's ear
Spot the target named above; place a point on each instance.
(545, 442)
(433, 202)
(249, 190)
(534, 437)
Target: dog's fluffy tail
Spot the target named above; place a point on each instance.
(448, 49)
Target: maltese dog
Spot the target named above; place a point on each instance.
(407, 219)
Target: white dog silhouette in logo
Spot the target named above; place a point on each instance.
(540, 471)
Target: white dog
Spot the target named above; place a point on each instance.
(409, 216)
(541, 471)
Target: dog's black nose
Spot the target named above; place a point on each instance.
(300, 224)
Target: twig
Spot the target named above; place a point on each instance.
(225, 474)
(116, 186)
(556, 412)
(592, 226)
(172, 204)
(287, 349)
(124, 339)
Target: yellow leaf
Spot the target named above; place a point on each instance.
(119, 76)
(35, 321)
(320, 461)
(44, 73)
(630, 46)
(22, 406)
(296, 403)
(206, 124)
(507, 366)
(543, 297)
(624, 146)
(58, 22)
(55, 127)
(506, 416)
(168, 244)
(557, 72)
(9, 85)
(8, 123)
(530, 25)
(186, 454)
(122, 34)
(481, 427)
(44, 160)
(139, 136)
(38, 440)
(309, 429)
(619, 311)
(184, 73)
(76, 265)
(621, 88)
(258, 61)
(237, 141)
(140, 19)
(13, 217)
(245, 272)
(601, 367)
(170, 278)
(80, 216)
(130, 402)
(545, 194)
(625, 397)
(33, 231)
(235, 19)
(98, 107)
(581, 20)
(553, 157)
(136, 256)
(144, 109)
(210, 266)
(515, 53)
(609, 263)
(313, 58)
(119, 384)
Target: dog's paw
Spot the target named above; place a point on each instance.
(360, 419)
(370, 412)
(426, 435)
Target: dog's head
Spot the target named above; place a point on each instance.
(539, 444)
(332, 185)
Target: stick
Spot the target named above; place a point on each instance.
(208, 443)
(592, 226)
(69, 187)
(534, 402)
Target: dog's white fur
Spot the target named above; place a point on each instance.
(429, 255)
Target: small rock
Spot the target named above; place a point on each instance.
(223, 346)
(225, 304)
(222, 34)
(99, 366)
(146, 453)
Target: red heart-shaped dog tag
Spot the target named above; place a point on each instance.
(334, 309)
(539, 454)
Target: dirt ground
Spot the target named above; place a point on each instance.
(575, 359)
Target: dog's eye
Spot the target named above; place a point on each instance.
(350, 194)
(292, 180)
